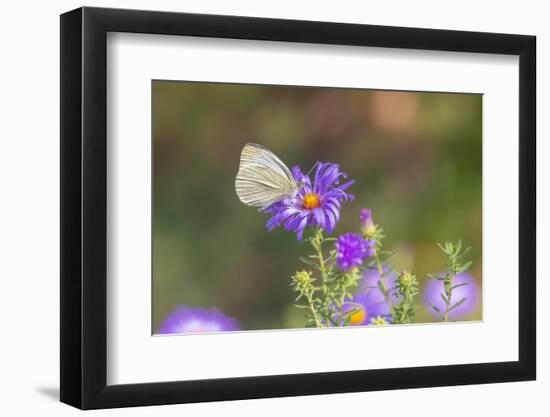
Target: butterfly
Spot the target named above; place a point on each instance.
(263, 179)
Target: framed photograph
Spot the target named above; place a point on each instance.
(256, 208)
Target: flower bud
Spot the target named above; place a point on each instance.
(302, 279)
(367, 225)
(406, 281)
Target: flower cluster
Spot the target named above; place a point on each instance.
(348, 280)
(355, 284)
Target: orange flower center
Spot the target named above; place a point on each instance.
(358, 317)
(311, 201)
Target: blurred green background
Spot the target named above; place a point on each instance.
(416, 159)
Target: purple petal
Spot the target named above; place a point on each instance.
(272, 223)
(345, 185)
(301, 228)
(319, 217)
(331, 220)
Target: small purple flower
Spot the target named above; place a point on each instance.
(351, 250)
(184, 319)
(317, 203)
(367, 224)
(470, 291)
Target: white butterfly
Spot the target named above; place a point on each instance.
(263, 179)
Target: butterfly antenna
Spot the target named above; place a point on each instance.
(312, 168)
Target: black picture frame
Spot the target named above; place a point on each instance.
(84, 207)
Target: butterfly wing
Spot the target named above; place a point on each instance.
(263, 179)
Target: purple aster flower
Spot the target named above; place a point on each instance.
(368, 303)
(369, 300)
(184, 319)
(434, 288)
(351, 250)
(367, 306)
(317, 203)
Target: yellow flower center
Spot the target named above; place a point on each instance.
(358, 317)
(311, 201)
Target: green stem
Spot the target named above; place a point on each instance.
(314, 311)
(341, 309)
(449, 294)
(381, 281)
(317, 243)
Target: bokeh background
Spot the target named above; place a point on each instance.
(416, 158)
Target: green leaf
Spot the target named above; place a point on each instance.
(308, 262)
(464, 267)
(437, 277)
(351, 312)
(435, 308)
(459, 285)
(459, 246)
(458, 303)
(444, 298)
(464, 253)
